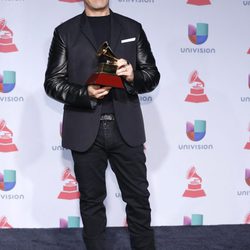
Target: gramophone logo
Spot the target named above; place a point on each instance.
(71, 222)
(6, 38)
(196, 94)
(71, 1)
(6, 143)
(70, 188)
(7, 180)
(194, 189)
(199, 34)
(247, 220)
(247, 145)
(7, 81)
(199, 2)
(195, 220)
(196, 131)
(247, 176)
(4, 223)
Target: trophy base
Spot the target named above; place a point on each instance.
(105, 79)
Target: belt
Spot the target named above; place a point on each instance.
(107, 117)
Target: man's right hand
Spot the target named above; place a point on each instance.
(98, 91)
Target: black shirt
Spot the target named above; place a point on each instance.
(101, 30)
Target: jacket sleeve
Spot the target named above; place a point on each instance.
(56, 82)
(146, 74)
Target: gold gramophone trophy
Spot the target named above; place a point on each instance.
(106, 70)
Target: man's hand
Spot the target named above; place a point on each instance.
(98, 91)
(125, 70)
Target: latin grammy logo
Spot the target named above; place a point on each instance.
(4, 223)
(196, 94)
(6, 38)
(247, 220)
(247, 145)
(199, 2)
(6, 143)
(70, 190)
(194, 189)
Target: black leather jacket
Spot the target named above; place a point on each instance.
(59, 86)
(72, 59)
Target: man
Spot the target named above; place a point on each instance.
(103, 123)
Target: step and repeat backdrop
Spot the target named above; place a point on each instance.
(197, 120)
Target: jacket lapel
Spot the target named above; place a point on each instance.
(115, 31)
(86, 30)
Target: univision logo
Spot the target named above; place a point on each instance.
(246, 3)
(145, 99)
(195, 220)
(196, 131)
(7, 84)
(7, 183)
(7, 180)
(246, 98)
(199, 34)
(247, 176)
(199, 2)
(71, 222)
(247, 181)
(7, 81)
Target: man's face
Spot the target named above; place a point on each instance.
(96, 4)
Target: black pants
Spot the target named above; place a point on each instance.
(128, 164)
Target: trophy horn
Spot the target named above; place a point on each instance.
(106, 68)
(106, 51)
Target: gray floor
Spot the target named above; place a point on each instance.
(226, 237)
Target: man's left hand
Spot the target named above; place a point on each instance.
(125, 70)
